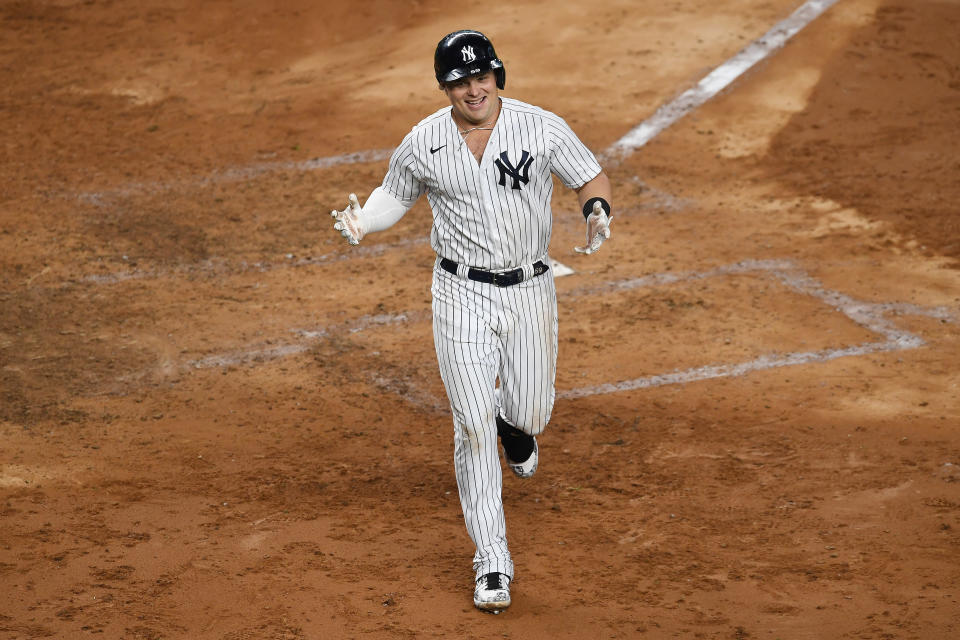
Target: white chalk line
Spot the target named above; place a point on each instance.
(222, 266)
(870, 315)
(308, 336)
(718, 79)
(231, 174)
(732, 370)
(410, 390)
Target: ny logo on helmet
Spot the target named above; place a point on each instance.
(520, 173)
(468, 54)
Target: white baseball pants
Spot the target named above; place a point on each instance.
(483, 333)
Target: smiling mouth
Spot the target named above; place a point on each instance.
(475, 103)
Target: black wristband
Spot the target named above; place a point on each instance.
(588, 207)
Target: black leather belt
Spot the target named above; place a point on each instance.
(504, 279)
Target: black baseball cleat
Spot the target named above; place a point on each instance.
(519, 449)
(526, 468)
(492, 592)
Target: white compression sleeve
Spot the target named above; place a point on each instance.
(382, 211)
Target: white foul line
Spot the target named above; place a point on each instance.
(719, 78)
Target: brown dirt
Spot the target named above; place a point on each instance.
(217, 421)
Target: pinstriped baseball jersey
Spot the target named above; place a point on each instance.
(494, 214)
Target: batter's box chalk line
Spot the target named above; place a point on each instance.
(870, 315)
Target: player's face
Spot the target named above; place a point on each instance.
(474, 99)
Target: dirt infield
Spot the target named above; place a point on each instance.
(217, 421)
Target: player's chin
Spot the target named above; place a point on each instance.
(477, 108)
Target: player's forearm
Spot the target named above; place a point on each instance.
(381, 211)
(599, 187)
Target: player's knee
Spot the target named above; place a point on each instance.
(533, 422)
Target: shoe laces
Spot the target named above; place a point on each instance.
(492, 581)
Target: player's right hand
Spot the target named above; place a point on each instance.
(598, 230)
(348, 221)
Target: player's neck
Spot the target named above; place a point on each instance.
(465, 126)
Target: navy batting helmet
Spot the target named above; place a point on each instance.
(466, 53)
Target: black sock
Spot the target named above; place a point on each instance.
(516, 443)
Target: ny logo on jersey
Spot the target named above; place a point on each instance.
(468, 54)
(519, 173)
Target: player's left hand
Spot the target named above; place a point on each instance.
(348, 221)
(598, 230)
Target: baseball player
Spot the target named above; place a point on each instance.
(485, 164)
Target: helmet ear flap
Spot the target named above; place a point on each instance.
(501, 75)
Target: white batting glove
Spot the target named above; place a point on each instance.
(348, 221)
(598, 230)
